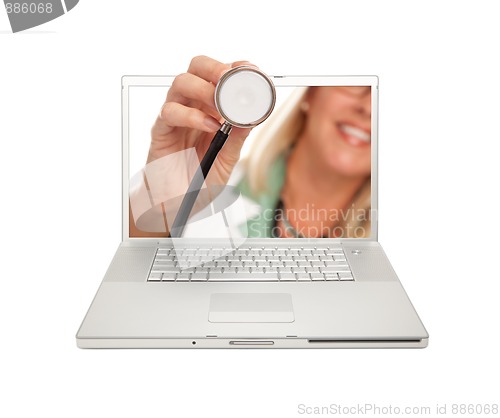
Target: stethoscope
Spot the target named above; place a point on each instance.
(244, 97)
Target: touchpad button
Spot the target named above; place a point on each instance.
(250, 307)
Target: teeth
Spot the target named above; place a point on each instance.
(356, 132)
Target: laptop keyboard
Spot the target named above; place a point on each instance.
(262, 264)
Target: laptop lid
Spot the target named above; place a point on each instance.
(323, 129)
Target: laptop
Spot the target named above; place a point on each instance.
(266, 261)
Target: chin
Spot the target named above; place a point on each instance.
(348, 165)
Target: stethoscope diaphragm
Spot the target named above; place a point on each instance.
(245, 96)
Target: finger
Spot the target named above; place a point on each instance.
(240, 63)
(174, 114)
(207, 68)
(187, 87)
(232, 148)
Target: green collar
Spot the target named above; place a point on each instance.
(260, 226)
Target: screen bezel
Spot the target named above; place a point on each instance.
(286, 81)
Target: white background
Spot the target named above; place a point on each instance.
(60, 194)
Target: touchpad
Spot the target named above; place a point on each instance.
(251, 307)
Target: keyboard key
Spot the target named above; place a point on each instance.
(162, 263)
(273, 276)
(165, 269)
(183, 277)
(331, 276)
(334, 252)
(345, 276)
(199, 276)
(287, 276)
(336, 269)
(303, 263)
(317, 276)
(155, 276)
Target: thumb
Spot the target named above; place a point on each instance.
(233, 145)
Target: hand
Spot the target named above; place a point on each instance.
(189, 118)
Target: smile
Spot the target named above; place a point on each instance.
(356, 133)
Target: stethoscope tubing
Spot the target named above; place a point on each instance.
(199, 177)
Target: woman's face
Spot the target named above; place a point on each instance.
(338, 128)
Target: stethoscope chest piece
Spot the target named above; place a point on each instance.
(245, 97)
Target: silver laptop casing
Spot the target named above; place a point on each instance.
(371, 312)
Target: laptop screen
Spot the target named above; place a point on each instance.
(305, 172)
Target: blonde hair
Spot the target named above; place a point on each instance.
(275, 138)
